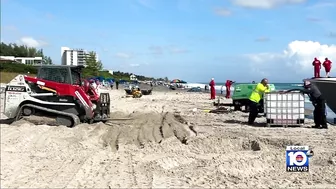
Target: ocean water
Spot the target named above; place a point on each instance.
(278, 86)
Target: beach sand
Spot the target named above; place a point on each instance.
(165, 144)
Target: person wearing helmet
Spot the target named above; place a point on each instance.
(317, 67)
(315, 96)
(327, 66)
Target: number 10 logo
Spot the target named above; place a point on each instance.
(297, 159)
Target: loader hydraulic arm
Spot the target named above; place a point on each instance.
(64, 89)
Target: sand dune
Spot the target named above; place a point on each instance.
(165, 143)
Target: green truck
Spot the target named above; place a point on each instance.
(241, 96)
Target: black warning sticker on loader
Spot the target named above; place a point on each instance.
(16, 88)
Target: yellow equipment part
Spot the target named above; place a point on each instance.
(47, 89)
(136, 94)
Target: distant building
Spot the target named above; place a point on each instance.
(133, 78)
(74, 57)
(110, 71)
(23, 60)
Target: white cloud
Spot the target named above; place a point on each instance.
(322, 5)
(31, 42)
(222, 12)
(177, 50)
(123, 55)
(9, 28)
(156, 49)
(262, 39)
(134, 65)
(146, 3)
(294, 62)
(265, 4)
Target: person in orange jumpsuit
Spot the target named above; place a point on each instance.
(212, 89)
(228, 85)
(327, 66)
(317, 67)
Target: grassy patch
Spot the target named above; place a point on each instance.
(6, 77)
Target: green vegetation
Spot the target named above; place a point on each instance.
(6, 77)
(126, 76)
(122, 76)
(17, 68)
(13, 49)
(94, 67)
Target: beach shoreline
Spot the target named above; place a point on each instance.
(170, 141)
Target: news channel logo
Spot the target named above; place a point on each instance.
(297, 158)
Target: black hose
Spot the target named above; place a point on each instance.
(7, 121)
(331, 123)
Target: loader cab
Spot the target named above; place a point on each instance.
(61, 74)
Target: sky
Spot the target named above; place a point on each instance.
(193, 40)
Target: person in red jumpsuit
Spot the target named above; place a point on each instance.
(327, 66)
(317, 67)
(228, 85)
(212, 89)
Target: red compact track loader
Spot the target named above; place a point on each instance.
(57, 91)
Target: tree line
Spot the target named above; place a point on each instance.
(93, 67)
(87, 73)
(128, 75)
(13, 49)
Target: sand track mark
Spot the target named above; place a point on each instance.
(146, 128)
(111, 138)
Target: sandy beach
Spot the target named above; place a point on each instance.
(169, 141)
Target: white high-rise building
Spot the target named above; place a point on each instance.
(74, 57)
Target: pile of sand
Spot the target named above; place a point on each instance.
(163, 144)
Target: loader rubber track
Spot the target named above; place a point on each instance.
(75, 118)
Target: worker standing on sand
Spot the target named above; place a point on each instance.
(327, 66)
(212, 89)
(256, 95)
(315, 96)
(117, 84)
(228, 85)
(317, 67)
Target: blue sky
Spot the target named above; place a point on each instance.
(193, 40)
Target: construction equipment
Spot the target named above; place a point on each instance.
(57, 91)
(136, 93)
(143, 91)
(241, 95)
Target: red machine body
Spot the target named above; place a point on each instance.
(61, 91)
(64, 89)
